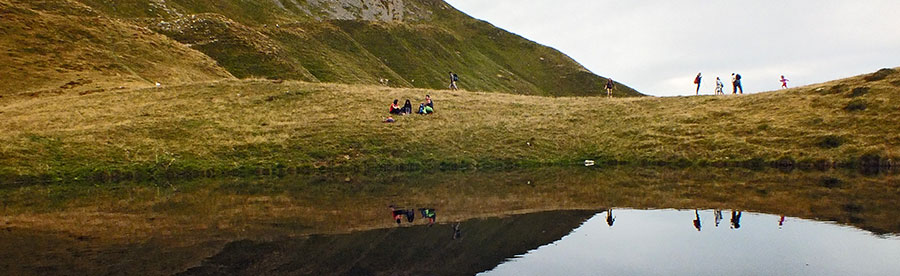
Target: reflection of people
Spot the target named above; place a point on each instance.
(697, 219)
(718, 217)
(429, 214)
(399, 213)
(781, 221)
(735, 219)
(457, 233)
(610, 219)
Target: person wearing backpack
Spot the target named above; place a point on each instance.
(697, 82)
(453, 79)
(609, 87)
(736, 84)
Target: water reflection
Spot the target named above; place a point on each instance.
(697, 219)
(653, 242)
(736, 219)
(718, 217)
(418, 250)
(168, 227)
(610, 219)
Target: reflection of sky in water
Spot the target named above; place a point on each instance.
(665, 242)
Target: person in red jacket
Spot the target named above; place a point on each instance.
(395, 107)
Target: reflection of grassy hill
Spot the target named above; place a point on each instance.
(403, 251)
(264, 127)
(413, 43)
(166, 227)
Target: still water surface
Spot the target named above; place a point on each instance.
(549, 221)
(676, 242)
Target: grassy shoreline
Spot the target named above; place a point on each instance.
(259, 127)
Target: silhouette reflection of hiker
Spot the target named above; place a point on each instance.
(697, 220)
(610, 219)
(781, 220)
(429, 214)
(718, 217)
(457, 233)
(735, 219)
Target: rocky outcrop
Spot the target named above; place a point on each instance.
(366, 10)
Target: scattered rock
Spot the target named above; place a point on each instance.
(859, 91)
(856, 105)
(75, 83)
(880, 74)
(831, 141)
(831, 182)
(92, 91)
(834, 89)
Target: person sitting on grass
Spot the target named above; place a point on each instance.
(395, 108)
(407, 108)
(421, 108)
(428, 101)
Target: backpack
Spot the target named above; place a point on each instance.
(696, 80)
(737, 77)
(455, 77)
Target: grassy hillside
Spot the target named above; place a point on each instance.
(412, 43)
(59, 46)
(261, 127)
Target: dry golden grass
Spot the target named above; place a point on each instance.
(259, 126)
(54, 47)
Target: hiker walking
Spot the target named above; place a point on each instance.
(697, 82)
(783, 82)
(453, 79)
(719, 86)
(609, 87)
(736, 83)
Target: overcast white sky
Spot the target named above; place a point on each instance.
(658, 46)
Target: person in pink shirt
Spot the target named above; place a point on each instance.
(783, 82)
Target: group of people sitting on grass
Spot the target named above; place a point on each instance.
(425, 108)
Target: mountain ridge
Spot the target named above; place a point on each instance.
(401, 43)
